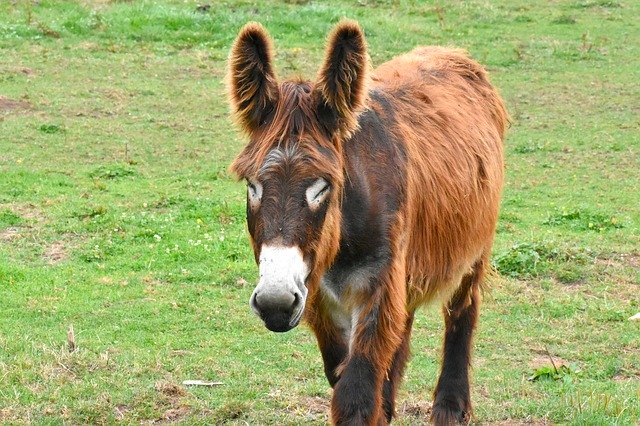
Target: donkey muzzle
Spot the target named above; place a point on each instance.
(280, 311)
(280, 295)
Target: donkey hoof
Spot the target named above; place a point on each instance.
(448, 413)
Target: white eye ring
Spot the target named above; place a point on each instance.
(254, 189)
(317, 193)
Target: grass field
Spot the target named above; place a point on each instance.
(118, 215)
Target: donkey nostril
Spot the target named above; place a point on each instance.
(253, 302)
(256, 302)
(264, 302)
(296, 301)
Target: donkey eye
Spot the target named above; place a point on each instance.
(317, 193)
(255, 193)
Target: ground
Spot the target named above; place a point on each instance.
(118, 216)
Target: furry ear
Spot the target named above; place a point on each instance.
(342, 81)
(251, 82)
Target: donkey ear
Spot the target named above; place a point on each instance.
(252, 84)
(342, 81)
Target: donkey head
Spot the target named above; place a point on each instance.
(293, 163)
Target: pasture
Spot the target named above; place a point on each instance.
(118, 215)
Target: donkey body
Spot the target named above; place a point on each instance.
(370, 195)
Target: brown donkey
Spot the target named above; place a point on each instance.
(370, 194)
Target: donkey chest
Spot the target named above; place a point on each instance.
(340, 283)
(342, 314)
(354, 273)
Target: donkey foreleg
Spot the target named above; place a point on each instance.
(377, 329)
(452, 401)
(332, 344)
(394, 377)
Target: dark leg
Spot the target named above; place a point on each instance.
(334, 351)
(377, 334)
(394, 376)
(452, 402)
(332, 345)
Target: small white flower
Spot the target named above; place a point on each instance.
(157, 237)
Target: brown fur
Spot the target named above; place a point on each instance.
(342, 80)
(449, 124)
(252, 83)
(453, 197)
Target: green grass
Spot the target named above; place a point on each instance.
(118, 216)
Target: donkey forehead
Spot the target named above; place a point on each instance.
(281, 157)
(296, 160)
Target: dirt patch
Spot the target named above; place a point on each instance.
(416, 412)
(55, 253)
(26, 211)
(631, 260)
(7, 414)
(10, 105)
(621, 270)
(120, 411)
(625, 378)
(9, 234)
(170, 389)
(171, 402)
(87, 45)
(314, 405)
(543, 360)
(173, 415)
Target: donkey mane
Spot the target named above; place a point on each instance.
(291, 126)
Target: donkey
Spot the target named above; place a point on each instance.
(370, 194)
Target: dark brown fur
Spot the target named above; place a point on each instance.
(413, 152)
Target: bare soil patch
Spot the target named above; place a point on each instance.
(543, 359)
(172, 399)
(25, 211)
(631, 260)
(416, 412)
(170, 389)
(120, 411)
(10, 105)
(9, 234)
(315, 405)
(55, 253)
(174, 415)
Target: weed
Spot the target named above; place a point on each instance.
(552, 373)
(523, 19)
(9, 218)
(528, 148)
(569, 273)
(112, 171)
(91, 212)
(583, 220)
(565, 20)
(533, 259)
(51, 128)
(523, 259)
